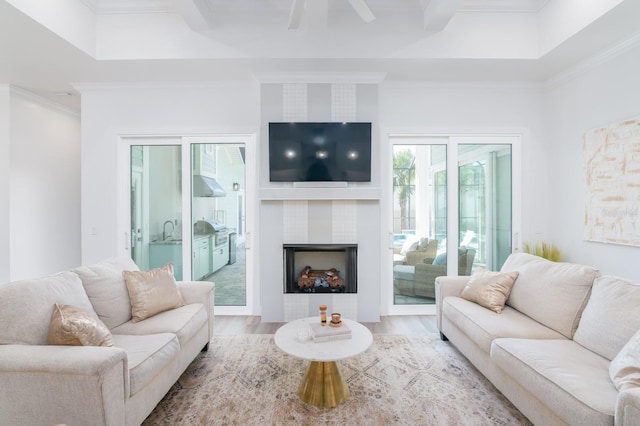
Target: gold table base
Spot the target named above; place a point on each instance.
(323, 386)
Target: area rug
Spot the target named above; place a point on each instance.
(403, 380)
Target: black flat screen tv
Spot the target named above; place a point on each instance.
(320, 152)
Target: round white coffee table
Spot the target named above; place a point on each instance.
(322, 386)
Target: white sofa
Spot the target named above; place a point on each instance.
(42, 384)
(550, 349)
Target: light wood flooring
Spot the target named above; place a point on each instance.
(396, 324)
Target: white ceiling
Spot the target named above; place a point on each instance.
(46, 47)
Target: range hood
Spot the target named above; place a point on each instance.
(207, 187)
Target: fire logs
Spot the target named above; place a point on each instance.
(323, 278)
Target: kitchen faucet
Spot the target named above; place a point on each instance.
(164, 227)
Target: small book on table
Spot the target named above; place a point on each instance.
(321, 333)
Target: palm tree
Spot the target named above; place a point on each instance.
(404, 172)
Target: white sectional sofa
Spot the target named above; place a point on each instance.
(43, 384)
(551, 348)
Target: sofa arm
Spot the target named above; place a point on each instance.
(200, 292)
(445, 287)
(628, 408)
(45, 385)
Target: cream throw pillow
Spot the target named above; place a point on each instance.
(489, 289)
(72, 326)
(625, 367)
(152, 292)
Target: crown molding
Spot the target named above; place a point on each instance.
(503, 6)
(321, 77)
(19, 91)
(468, 84)
(129, 6)
(88, 87)
(594, 61)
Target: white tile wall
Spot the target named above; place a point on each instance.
(295, 222)
(343, 212)
(343, 222)
(346, 305)
(294, 102)
(296, 306)
(343, 102)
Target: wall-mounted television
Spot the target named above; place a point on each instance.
(320, 152)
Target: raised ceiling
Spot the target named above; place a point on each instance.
(45, 47)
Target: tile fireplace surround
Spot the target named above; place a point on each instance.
(320, 222)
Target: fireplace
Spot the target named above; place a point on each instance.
(320, 268)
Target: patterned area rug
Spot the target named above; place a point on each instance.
(403, 380)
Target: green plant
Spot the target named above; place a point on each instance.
(404, 173)
(544, 250)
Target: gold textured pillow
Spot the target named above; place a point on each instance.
(489, 289)
(152, 292)
(72, 326)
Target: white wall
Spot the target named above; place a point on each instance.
(44, 193)
(109, 113)
(478, 108)
(595, 96)
(5, 185)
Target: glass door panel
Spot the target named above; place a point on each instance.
(485, 213)
(156, 206)
(419, 221)
(218, 215)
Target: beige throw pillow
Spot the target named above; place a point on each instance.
(72, 326)
(625, 367)
(152, 292)
(489, 289)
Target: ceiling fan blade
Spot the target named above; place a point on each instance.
(363, 10)
(297, 9)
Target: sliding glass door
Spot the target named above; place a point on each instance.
(450, 195)
(218, 211)
(156, 207)
(187, 206)
(419, 220)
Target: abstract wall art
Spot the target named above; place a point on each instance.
(612, 172)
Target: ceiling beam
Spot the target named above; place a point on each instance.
(194, 14)
(363, 10)
(438, 13)
(297, 9)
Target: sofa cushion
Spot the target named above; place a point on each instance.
(624, 369)
(483, 325)
(489, 289)
(552, 293)
(146, 356)
(106, 289)
(184, 321)
(611, 316)
(72, 326)
(404, 272)
(568, 378)
(152, 292)
(27, 306)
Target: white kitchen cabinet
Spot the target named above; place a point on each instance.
(204, 160)
(201, 258)
(219, 256)
(162, 253)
